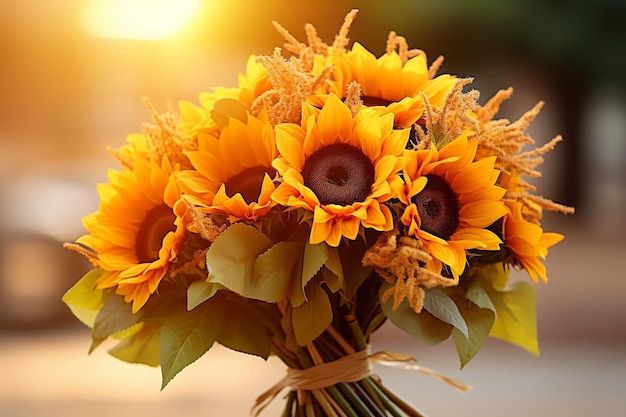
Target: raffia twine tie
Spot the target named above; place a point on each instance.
(350, 368)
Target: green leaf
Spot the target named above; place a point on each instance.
(479, 296)
(314, 258)
(479, 321)
(83, 299)
(185, 337)
(230, 259)
(423, 327)
(200, 291)
(142, 347)
(116, 315)
(248, 324)
(333, 276)
(444, 308)
(227, 108)
(310, 319)
(354, 271)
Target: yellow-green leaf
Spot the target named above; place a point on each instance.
(248, 324)
(185, 337)
(314, 258)
(440, 305)
(423, 326)
(274, 272)
(514, 305)
(230, 259)
(142, 347)
(116, 315)
(83, 299)
(200, 291)
(310, 319)
(479, 321)
(334, 279)
(516, 320)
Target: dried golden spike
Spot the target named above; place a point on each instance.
(354, 97)
(124, 160)
(450, 120)
(291, 86)
(198, 259)
(315, 42)
(165, 140)
(203, 224)
(88, 253)
(486, 113)
(291, 44)
(434, 67)
(400, 262)
(505, 141)
(400, 43)
(341, 39)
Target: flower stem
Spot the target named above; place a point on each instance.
(355, 400)
(396, 400)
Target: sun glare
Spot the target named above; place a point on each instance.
(137, 19)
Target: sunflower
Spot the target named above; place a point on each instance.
(233, 174)
(200, 120)
(340, 168)
(390, 84)
(449, 201)
(527, 241)
(135, 233)
(393, 83)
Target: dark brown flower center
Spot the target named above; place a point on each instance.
(438, 208)
(371, 101)
(248, 183)
(339, 174)
(158, 222)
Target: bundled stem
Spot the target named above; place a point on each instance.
(367, 397)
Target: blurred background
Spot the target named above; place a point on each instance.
(71, 81)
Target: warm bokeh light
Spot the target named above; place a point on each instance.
(137, 19)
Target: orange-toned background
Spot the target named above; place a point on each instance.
(66, 94)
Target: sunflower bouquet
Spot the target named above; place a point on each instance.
(293, 215)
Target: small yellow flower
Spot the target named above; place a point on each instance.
(340, 168)
(450, 200)
(135, 232)
(233, 175)
(527, 241)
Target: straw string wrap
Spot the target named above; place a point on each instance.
(350, 368)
